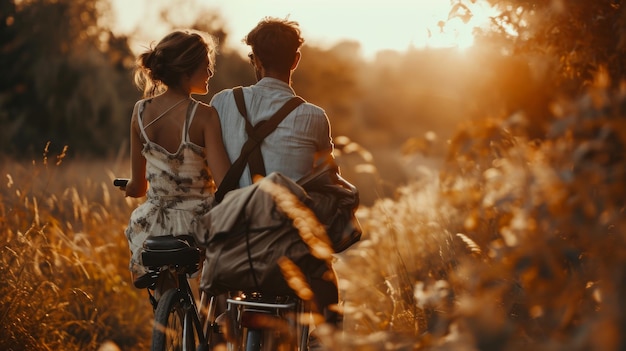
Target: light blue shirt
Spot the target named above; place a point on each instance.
(292, 149)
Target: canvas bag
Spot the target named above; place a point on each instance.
(245, 235)
(334, 201)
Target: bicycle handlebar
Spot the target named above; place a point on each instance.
(120, 182)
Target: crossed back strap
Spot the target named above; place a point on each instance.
(251, 149)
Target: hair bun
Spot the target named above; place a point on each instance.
(150, 59)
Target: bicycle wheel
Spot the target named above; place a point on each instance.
(169, 321)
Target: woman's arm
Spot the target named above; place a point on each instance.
(218, 160)
(137, 185)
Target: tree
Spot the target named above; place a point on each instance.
(547, 50)
(65, 78)
(582, 36)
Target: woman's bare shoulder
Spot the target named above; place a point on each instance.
(205, 110)
(206, 115)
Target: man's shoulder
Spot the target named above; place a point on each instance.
(221, 95)
(310, 108)
(225, 96)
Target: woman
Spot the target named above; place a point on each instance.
(176, 141)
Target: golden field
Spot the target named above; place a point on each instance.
(514, 243)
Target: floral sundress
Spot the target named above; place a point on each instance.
(181, 189)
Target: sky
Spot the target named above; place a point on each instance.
(376, 25)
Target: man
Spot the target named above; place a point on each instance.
(304, 135)
(300, 139)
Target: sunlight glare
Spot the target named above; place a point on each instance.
(452, 23)
(393, 25)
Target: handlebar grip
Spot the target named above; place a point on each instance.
(120, 182)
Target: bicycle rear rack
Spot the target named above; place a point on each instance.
(276, 313)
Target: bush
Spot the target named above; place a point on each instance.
(515, 244)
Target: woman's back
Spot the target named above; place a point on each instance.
(176, 166)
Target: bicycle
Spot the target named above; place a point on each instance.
(251, 321)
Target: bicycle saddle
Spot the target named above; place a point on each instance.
(170, 250)
(169, 242)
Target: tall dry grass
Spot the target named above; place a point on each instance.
(64, 258)
(514, 244)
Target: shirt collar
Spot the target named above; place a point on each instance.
(274, 83)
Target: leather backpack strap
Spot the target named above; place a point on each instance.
(260, 131)
(241, 105)
(255, 160)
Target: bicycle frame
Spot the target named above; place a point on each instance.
(275, 319)
(193, 321)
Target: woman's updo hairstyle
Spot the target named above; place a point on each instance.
(178, 53)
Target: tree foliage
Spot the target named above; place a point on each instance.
(582, 36)
(64, 75)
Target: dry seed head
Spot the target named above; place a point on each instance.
(310, 229)
(61, 156)
(471, 244)
(36, 210)
(295, 278)
(45, 153)
(106, 196)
